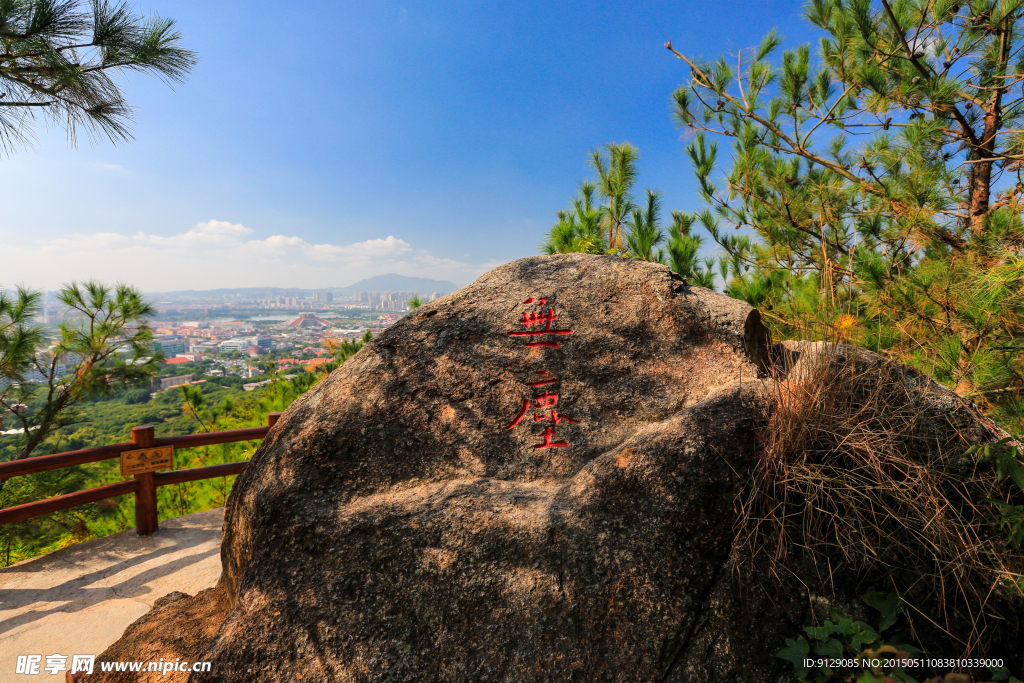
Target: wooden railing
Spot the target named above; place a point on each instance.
(143, 485)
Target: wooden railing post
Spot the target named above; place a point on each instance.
(272, 419)
(146, 521)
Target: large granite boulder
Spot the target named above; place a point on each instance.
(533, 479)
(516, 482)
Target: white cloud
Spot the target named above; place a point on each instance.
(222, 228)
(218, 254)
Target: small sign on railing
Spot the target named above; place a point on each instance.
(147, 460)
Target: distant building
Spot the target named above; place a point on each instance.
(241, 344)
(171, 345)
(168, 382)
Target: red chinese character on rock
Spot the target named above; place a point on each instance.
(522, 413)
(555, 416)
(543, 382)
(534, 319)
(537, 318)
(548, 443)
(546, 400)
(549, 400)
(537, 323)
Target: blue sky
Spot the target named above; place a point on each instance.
(321, 143)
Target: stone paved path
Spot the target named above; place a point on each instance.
(79, 600)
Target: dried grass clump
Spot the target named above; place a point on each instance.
(857, 466)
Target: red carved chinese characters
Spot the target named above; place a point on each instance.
(537, 323)
(522, 413)
(537, 318)
(548, 443)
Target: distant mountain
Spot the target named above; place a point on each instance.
(392, 282)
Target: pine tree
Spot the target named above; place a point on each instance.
(103, 343)
(877, 188)
(57, 60)
(580, 229)
(616, 171)
(645, 234)
(620, 226)
(680, 253)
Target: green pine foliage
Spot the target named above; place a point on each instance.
(604, 219)
(102, 345)
(579, 229)
(872, 192)
(19, 338)
(58, 58)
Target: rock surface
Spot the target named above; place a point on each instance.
(453, 505)
(176, 630)
(393, 527)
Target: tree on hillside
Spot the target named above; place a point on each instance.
(580, 229)
(878, 186)
(101, 345)
(645, 233)
(680, 253)
(58, 59)
(19, 338)
(620, 226)
(616, 171)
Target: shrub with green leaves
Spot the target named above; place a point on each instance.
(843, 638)
(1007, 456)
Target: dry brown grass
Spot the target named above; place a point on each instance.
(852, 468)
